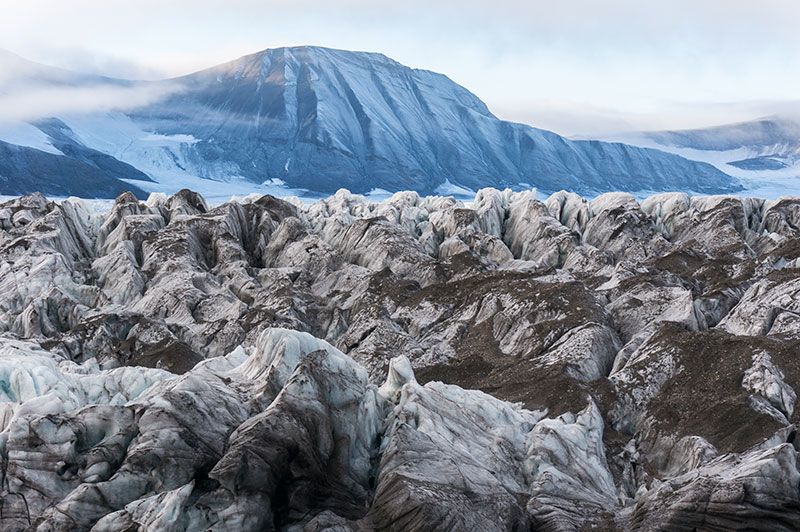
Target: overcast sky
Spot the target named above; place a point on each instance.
(575, 66)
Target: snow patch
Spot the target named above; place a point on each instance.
(24, 134)
(451, 189)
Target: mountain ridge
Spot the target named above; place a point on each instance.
(763, 153)
(759, 132)
(321, 119)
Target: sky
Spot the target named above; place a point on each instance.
(578, 67)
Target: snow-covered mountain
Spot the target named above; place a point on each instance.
(776, 136)
(321, 119)
(43, 153)
(764, 153)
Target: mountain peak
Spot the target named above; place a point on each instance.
(20, 72)
(313, 51)
(321, 119)
(304, 54)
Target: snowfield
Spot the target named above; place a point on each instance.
(415, 363)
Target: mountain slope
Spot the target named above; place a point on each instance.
(770, 135)
(322, 119)
(764, 154)
(23, 169)
(771, 143)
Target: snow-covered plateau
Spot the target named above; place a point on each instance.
(412, 364)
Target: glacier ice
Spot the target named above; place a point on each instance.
(415, 363)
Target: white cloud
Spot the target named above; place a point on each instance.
(98, 63)
(34, 102)
(29, 91)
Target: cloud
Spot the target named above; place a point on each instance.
(42, 102)
(33, 102)
(97, 63)
(29, 91)
(517, 55)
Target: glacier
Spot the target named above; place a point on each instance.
(417, 363)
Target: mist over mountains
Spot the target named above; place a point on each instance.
(302, 119)
(763, 153)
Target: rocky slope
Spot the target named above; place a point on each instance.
(318, 119)
(416, 364)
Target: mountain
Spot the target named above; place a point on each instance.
(775, 136)
(320, 119)
(764, 154)
(44, 154)
(24, 169)
(19, 73)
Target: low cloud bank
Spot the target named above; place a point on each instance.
(30, 91)
(42, 101)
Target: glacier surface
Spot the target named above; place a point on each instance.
(418, 363)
